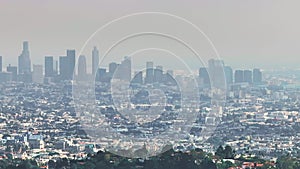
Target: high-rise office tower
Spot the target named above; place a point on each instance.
(24, 61)
(95, 60)
(168, 78)
(101, 75)
(14, 71)
(158, 74)
(71, 63)
(248, 76)
(37, 74)
(257, 76)
(228, 75)
(204, 77)
(49, 69)
(124, 69)
(4, 76)
(112, 67)
(82, 68)
(216, 73)
(67, 65)
(239, 76)
(149, 72)
(138, 78)
(63, 67)
(0, 63)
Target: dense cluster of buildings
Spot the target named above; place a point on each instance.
(217, 71)
(38, 119)
(64, 69)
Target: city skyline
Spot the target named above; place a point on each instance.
(91, 59)
(66, 66)
(269, 33)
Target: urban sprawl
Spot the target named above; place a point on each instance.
(39, 119)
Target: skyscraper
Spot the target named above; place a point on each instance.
(71, 63)
(257, 76)
(49, 69)
(101, 75)
(37, 74)
(24, 61)
(112, 67)
(158, 74)
(82, 68)
(124, 69)
(168, 78)
(138, 78)
(95, 60)
(204, 77)
(216, 73)
(63, 70)
(248, 76)
(228, 75)
(239, 76)
(67, 65)
(149, 72)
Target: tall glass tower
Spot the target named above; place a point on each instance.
(95, 60)
(24, 61)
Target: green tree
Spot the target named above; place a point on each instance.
(228, 152)
(220, 152)
(286, 162)
(208, 163)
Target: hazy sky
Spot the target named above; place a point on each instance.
(247, 33)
